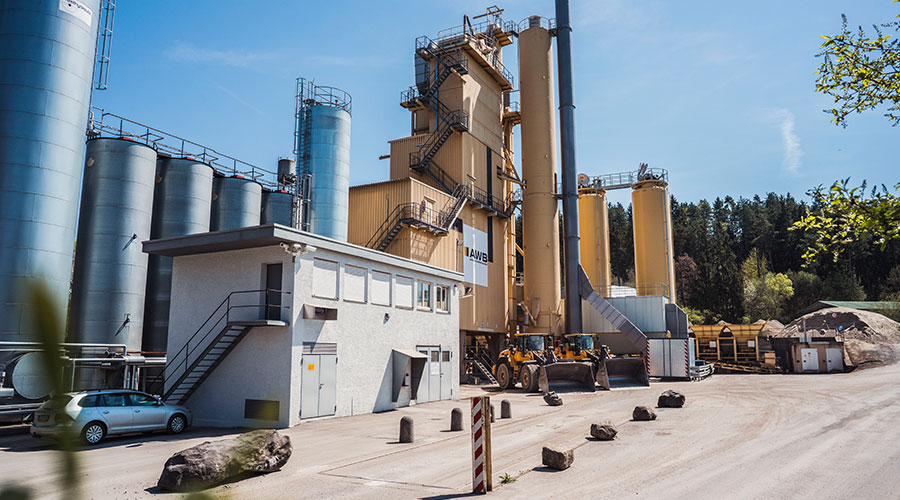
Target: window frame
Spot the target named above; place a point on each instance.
(437, 299)
(390, 288)
(365, 285)
(428, 287)
(337, 280)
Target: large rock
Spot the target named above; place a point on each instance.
(553, 399)
(603, 432)
(555, 459)
(670, 399)
(643, 413)
(213, 462)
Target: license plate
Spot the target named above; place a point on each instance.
(43, 418)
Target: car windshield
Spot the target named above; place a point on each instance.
(534, 342)
(56, 402)
(585, 342)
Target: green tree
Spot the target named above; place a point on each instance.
(861, 72)
(843, 215)
(807, 291)
(842, 284)
(765, 296)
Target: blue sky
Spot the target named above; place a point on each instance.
(719, 93)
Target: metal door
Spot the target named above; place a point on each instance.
(809, 360)
(318, 382)
(446, 392)
(430, 385)
(835, 359)
(147, 412)
(273, 291)
(116, 412)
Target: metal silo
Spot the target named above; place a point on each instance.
(236, 202)
(654, 266)
(276, 207)
(323, 158)
(181, 206)
(593, 226)
(110, 269)
(47, 54)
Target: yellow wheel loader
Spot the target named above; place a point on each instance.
(521, 361)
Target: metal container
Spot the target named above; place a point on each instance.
(236, 203)
(593, 226)
(654, 266)
(277, 208)
(329, 166)
(110, 267)
(540, 208)
(46, 66)
(181, 206)
(287, 171)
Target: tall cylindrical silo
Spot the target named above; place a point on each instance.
(277, 207)
(540, 210)
(181, 206)
(654, 266)
(593, 226)
(236, 203)
(110, 267)
(46, 68)
(329, 168)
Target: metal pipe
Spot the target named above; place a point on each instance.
(569, 171)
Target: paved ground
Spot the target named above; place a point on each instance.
(739, 436)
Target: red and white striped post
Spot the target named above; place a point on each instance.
(481, 444)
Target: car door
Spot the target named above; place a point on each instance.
(147, 413)
(116, 412)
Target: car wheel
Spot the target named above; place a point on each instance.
(503, 376)
(93, 433)
(176, 424)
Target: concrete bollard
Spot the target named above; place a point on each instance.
(505, 409)
(456, 419)
(406, 430)
(493, 411)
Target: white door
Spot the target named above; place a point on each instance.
(835, 359)
(809, 360)
(446, 392)
(318, 380)
(430, 385)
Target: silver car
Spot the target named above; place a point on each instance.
(97, 414)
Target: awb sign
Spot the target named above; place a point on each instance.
(475, 256)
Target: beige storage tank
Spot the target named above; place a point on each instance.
(654, 267)
(593, 226)
(540, 209)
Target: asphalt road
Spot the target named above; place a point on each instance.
(738, 436)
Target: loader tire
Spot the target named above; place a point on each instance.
(504, 376)
(529, 378)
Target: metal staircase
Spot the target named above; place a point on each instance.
(222, 331)
(479, 364)
(418, 216)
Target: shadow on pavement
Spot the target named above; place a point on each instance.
(26, 443)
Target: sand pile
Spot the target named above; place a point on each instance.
(870, 339)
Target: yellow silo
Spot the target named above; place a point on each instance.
(593, 226)
(654, 267)
(540, 212)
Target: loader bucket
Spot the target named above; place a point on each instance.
(566, 371)
(626, 372)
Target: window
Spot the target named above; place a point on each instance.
(325, 279)
(89, 402)
(114, 400)
(142, 400)
(355, 283)
(441, 298)
(404, 292)
(445, 356)
(423, 295)
(381, 288)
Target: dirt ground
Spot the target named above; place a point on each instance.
(738, 436)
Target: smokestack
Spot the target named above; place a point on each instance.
(569, 170)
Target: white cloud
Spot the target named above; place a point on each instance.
(235, 58)
(793, 153)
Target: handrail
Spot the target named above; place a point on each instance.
(186, 349)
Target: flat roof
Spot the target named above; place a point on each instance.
(274, 234)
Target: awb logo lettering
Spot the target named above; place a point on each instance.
(476, 255)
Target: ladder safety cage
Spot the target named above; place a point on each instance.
(104, 44)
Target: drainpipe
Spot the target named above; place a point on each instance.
(569, 171)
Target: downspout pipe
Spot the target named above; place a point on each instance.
(569, 170)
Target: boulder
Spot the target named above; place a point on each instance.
(670, 399)
(213, 462)
(555, 459)
(553, 399)
(643, 413)
(603, 432)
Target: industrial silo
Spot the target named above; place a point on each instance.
(323, 158)
(181, 206)
(110, 267)
(540, 210)
(654, 267)
(593, 226)
(236, 203)
(277, 207)
(46, 65)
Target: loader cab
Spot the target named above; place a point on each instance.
(575, 345)
(528, 342)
